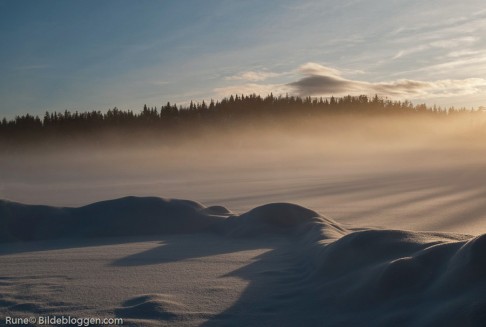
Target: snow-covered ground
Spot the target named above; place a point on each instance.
(385, 233)
(183, 279)
(278, 264)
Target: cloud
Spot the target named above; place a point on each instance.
(311, 68)
(471, 62)
(319, 80)
(252, 76)
(462, 53)
(454, 43)
(409, 51)
(321, 84)
(324, 81)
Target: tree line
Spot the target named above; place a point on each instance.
(230, 110)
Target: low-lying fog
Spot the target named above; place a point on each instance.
(395, 173)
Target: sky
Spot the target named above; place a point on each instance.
(58, 55)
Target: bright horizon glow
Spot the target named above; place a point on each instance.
(93, 55)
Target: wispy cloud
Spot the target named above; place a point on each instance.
(455, 43)
(253, 76)
(462, 53)
(409, 51)
(427, 47)
(312, 69)
(470, 61)
(325, 81)
(319, 80)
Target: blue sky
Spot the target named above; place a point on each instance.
(85, 55)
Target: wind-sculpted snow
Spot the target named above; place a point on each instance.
(156, 306)
(399, 278)
(129, 216)
(135, 216)
(335, 274)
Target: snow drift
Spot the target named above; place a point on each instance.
(338, 274)
(120, 217)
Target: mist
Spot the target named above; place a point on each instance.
(413, 173)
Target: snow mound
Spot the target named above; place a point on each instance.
(133, 216)
(280, 218)
(142, 216)
(127, 216)
(336, 274)
(399, 278)
(151, 306)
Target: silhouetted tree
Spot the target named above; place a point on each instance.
(233, 109)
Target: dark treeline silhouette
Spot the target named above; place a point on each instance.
(225, 113)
